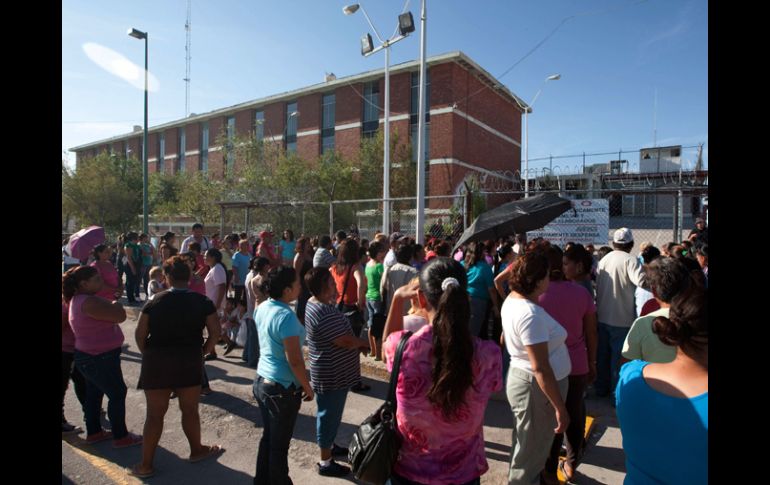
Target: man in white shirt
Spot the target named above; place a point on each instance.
(197, 236)
(618, 276)
(396, 240)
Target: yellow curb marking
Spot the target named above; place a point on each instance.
(112, 471)
(589, 425)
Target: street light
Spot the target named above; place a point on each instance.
(554, 77)
(138, 34)
(405, 26)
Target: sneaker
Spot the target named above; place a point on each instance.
(130, 439)
(69, 428)
(333, 469)
(339, 451)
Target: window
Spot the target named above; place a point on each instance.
(415, 102)
(182, 147)
(371, 109)
(126, 150)
(291, 126)
(230, 148)
(327, 122)
(161, 151)
(259, 125)
(203, 165)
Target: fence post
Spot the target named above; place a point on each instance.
(331, 218)
(679, 215)
(221, 219)
(248, 214)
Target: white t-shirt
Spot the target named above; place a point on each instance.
(526, 323)
(215, 277)
(390, 259)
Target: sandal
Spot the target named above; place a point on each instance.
(136, 473)
(563, 469)
(213, 450)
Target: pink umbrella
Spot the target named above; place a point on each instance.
(82, 242)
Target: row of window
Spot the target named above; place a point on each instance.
(370, 124)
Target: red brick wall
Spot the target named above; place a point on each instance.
(275, 119)
(348, 142)
(309, 108)
(193, 137)
(217, 133)
(309, 147)
(441, 91)
(348, 105)
(244, 122)
(400, 93)
(191, 163)
(152, 145)
(216, 165)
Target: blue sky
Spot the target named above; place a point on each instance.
(612, 56)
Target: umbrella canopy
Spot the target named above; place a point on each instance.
(515, 217)
(82, 242)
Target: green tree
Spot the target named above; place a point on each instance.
(198, 197)
(105, 190)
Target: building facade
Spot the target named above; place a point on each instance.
(473, 124)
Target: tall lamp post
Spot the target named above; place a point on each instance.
(420, 219)
(554, 77)
(405, 26)
(138, 34)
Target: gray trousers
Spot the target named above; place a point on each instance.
(534, 420)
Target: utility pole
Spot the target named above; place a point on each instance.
(188, 58)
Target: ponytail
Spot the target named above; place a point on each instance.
(70, 281)
(444, 282)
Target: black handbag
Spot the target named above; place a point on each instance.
(374, 447)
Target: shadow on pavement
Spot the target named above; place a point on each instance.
(605, 457)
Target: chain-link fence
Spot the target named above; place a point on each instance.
(658, 208)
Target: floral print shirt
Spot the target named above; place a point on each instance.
(435, 450)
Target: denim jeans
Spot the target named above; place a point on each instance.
(251, 350)
(608, 355)
(331, 404)
(103, 376)
(68, 371)
(279, 407)
(479, 316)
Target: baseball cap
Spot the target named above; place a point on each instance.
(264, 234)
(396, 236)
(623, 236)
(699, 220)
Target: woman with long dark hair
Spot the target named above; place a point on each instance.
(539, 368)
(281, 383)
(303, 262)
(576, 266)
(481, 288)
(447, 376)
(663, 408)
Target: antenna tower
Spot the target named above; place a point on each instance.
(188, 58)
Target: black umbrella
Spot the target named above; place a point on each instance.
(515, 217)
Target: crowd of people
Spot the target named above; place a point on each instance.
(547, 323)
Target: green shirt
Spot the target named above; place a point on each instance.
(373, 276)
(136, 252)
(642, 343)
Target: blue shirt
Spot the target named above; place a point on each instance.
(276, 321)
(480, 279)
(241, 262)
(287, 249)
(665, 438)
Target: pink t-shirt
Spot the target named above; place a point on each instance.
(435, 450)
(92, 336)
(67, 337)
(110, 276)
(567, 303)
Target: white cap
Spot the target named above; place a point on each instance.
(623, 236)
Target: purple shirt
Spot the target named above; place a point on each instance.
(92, 336)
(568, 303)
(435, 450)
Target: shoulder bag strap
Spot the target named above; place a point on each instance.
(394, 375)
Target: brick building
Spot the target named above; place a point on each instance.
(474, 124)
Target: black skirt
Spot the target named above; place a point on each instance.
(171, 367)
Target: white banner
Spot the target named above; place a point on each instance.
(588, 222)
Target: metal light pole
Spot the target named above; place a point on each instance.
(421, 135)
(554, 77)
(366, 51)
(138, 34)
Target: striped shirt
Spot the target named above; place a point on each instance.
(331, 367)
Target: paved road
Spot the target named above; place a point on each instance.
(230, 417)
